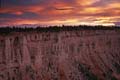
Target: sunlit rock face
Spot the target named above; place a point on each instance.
(64, 55)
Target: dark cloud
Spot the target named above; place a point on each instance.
(117, 23)
(7, 15)
(25, 15)
(20, 2)
(64, 8)
(104, 3)
(9, 3)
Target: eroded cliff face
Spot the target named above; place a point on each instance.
(65, 55)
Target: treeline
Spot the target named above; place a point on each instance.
(9, 29)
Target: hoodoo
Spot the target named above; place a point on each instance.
(76, 54)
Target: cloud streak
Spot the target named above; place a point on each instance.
(55, 12)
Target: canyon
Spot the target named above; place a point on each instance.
(63, 55)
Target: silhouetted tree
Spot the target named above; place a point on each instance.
(9, 29)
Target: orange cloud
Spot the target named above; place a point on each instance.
(114, 5)
(85, 2)
(18, 13)
(91, 10)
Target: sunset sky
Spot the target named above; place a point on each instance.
(57, 12)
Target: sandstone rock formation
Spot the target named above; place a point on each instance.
(64, 55)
